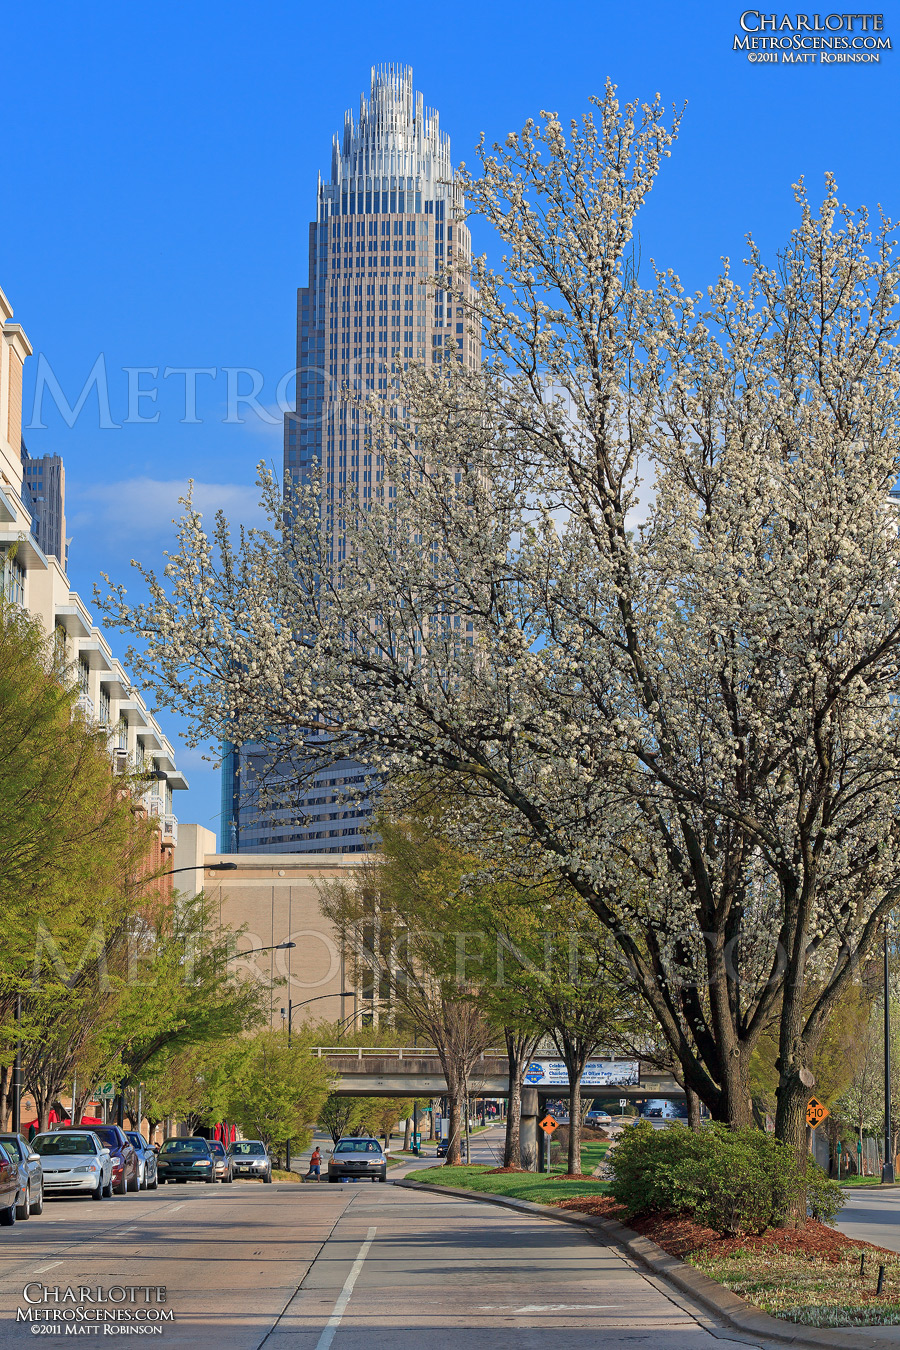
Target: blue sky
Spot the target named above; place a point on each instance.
(160, 165)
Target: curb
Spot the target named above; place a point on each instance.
(730, 1307)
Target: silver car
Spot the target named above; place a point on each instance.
(147, 1176)
(74, 1162)
(31, 1175)
(249, 1158)
(360, 1158)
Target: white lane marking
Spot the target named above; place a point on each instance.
(49, 1266)
(340, 1307)
(174, 1207)
(549, 1307)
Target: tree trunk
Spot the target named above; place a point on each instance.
(693, 1108)
(407, 1135)
(511, 1144)
(791, 1129)
(574, 1162)
(456, 1099)
(519, 1050)
(737, 1111)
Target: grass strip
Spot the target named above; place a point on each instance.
(538, 1187)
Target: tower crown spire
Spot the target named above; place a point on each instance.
(394, 142)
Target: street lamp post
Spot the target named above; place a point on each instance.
(289, 1012)
(292, 1006)
(887, 1170)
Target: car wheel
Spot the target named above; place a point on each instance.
(142, 1179)
(23, 1209)
(153, 1186)
(383, 1176)
(267, 1179)
(122, 1188)
(332, 1178)
(8, 1216)
(37, 1206)
(99, 1191)
(137, 1182)
(107, 1190)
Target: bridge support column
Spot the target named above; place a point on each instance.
(528, 1129)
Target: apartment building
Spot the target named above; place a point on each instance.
(37, 580)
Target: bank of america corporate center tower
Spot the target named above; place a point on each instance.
(387, 223)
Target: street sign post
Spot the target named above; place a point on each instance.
(816, 1113)
(547, 1125)
(623, 1102)
(108, 1091)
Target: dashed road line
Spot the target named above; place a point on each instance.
(340, 1307)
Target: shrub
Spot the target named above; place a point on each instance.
(734, 1181)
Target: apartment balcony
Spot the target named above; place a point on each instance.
(85, 705)
(170, 829)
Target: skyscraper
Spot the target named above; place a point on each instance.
(386, 225)
(45, 481)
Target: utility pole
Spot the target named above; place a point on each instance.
(17, 1071)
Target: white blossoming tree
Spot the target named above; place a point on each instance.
(633, 584)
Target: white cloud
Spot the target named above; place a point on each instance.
(146, 507)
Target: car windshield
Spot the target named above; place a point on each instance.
(357, 1146)
(244, 1148)
(107, 1135)
(216, 1147)
(184, 1146)
(58, 1145)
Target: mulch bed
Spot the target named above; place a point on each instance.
(680, 1236)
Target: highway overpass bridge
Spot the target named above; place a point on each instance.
(415, 1071)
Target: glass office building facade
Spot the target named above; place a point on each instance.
(387, 224)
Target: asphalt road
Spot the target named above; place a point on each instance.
(305, 1267)
(872, 1216)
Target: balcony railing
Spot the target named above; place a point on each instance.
(170, 829)
(85, 705)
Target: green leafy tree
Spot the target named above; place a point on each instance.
(276, 1091)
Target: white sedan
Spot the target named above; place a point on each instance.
(74, 1163)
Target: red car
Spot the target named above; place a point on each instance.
(9, 1187)
(125, 1167)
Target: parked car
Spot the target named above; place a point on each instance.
(75, 1161)
(31, 1174)
(147, 1174)
(183, 1160)
(10, 1187)
(122, 1153)
(221, 1161)
(250, 1159)
(358, 1157)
